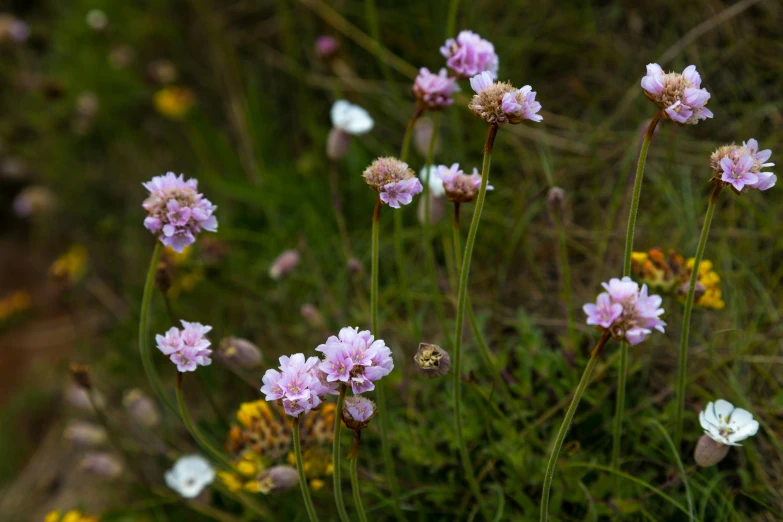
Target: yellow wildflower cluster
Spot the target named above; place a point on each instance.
(673, 275)
(262, 438)
(70, 267)
(71, 516)
(14, 303)
(174, 102)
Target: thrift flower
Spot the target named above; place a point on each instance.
(284, 264)
(724, 426)
(432, 360)
(393, 180)
(188, 348)
(241, 352)
(278, 479)
(298, 384)
(498, 103)
(680, 95)
(347, 120)
(458, 186)
(326, 47)
(357, 412)
(433, 91)
(177, 212)
(626, 311)
(102, 464)
(190, 475)
(469, 55)
(740, 167)
(355, 358)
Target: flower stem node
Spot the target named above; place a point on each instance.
(432, 360)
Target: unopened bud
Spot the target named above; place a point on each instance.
(278, 479)
(357, 412)
(556, 199)
(79, 397)
(698, 290)
(81, 375)
(284, 264)
(709, 452)
(431, 360)
(241, 352)
(326, 47)
(437, 209)
(312, 316)
(355, 266)
(337, 144)
(102, 464)
(84, 434)
(141, 408)
(163, 277)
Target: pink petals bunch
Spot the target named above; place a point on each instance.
(469, 55)
(680, 95)
(188, 348)
(176, 211)
(298, 384)
(740, 167)
(626, 311)
(498, 103)
(433, 91)
(393, 180)
(460, 187)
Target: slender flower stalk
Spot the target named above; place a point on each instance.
(617, 431)
(357, 496)
(580, 390)
(336, 460)
(686, 317)
(462, 299)
(300, 468)
(144, 331)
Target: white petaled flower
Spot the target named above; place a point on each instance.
(351, 118)
(190, 475)
(433, 180)
(726, 424)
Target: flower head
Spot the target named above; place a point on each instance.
(284, 264)
(460, 187)
(740, 167)
(357, 412)
(190, 475)
(188, 348)
(499, 103)
(326, 47)
(401, 192)
(628, 312)
(393, 180)
(680, 95)
(351, 118)
(298, 384)
(356, 358)
(726, 424)
(278, 479)
(176, 211)
(469, 55)
(433, 91)
(240, 351)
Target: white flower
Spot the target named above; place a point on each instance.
(726, 424)
(351, 118)
(190, 475)
(434, 181)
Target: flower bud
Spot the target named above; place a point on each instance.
(357, 412)
(284, 264)
(241, 352)
(709, 452)
(555, 199)
(141, 408)
(78, 397)
(312, 316)
(102, 464)
(337, 144)
(326, 47)
(84, 434)
(278, 479)
(355, 266)
(431, 360)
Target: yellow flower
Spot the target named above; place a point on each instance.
(71, 516)
(174, 102)
(231, 481)
(711, 298)
(14, 303)
(71, 266)
(316, 484)
(178, 258)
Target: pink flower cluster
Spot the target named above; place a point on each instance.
(626, 311)
(470, 55)
(352, 357)
(680, 95)
(176, 211)
(400, 192)
(460, 187)
(741, 167)
(433, 91)
(187, 348)
(515, 104)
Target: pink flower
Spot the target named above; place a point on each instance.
(434, 91)
(740, 167)
(188, 348)
(297, 384)
(369, 359)
(177, 212)
(470, 55)
(628, 312)
(326, 47)
(400, 192)
(460, 187)
(680, 95)
(481, 81)
(284, 264)
(499, 103)
(738, 174)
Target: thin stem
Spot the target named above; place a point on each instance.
(565, 274)
(617, 431)
(144, 331)
(300, 468)
(686, 318)
(406, 139)
(336, 460)
(380, 388)
(357, 495)
(462, 296)
(451, 18)
(580, 390)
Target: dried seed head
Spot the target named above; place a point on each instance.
(488, 104)
(709, 452)
(278, 479)
(384, 171)
(431, 360)
(241, 352)
(81, 375)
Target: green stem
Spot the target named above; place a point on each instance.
(617, 431)
(357, 496)
(144, 331)
(462, 299)
(300, 468)
(580, 390)
(336, 460)
(686, 318)
(406, 138)
(380, 388)
(451, 19)
(565, 274)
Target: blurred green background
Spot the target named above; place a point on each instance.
(103, 95)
